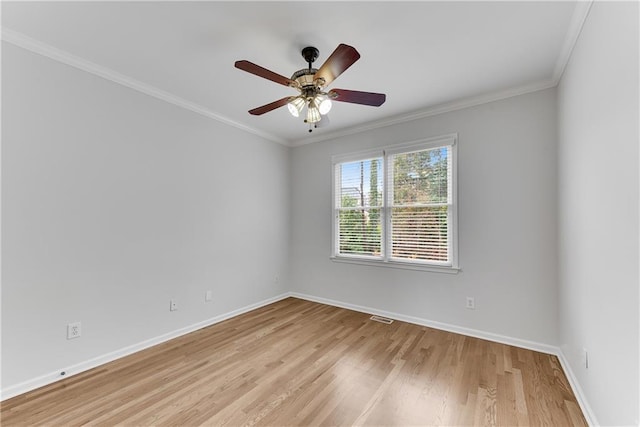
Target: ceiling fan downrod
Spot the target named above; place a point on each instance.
(310, 54)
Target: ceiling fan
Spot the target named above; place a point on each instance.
(311, 84)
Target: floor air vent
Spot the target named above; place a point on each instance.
(381, 319)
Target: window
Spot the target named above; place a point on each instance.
(397, 206)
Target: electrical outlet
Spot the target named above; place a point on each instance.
(173, 305)
(208, 296)
(74, 330)
(471, 303)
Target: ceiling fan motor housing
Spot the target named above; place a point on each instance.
(304, 77)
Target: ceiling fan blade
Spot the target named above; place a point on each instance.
(269, 107)
(342, 58)
(357, 97)
(259, 71)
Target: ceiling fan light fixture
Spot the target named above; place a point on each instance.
(313, 114)
(295, 106)
(324, 104)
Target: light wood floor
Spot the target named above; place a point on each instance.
(296, 362)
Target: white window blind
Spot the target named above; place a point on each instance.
(359, 206)
(420, 201)
(398, 207)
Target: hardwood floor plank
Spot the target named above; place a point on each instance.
(296, 362)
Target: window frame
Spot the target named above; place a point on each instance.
(386, 260)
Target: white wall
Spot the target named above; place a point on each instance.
(598, 211)
(113, 203)
(507, 223)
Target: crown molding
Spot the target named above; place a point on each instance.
(578, 19)
(433, 111)
(36, 46)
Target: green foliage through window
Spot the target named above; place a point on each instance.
(409, 218)
(360, 202)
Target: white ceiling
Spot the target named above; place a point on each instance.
(426, 56)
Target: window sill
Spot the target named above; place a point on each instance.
(396, 264)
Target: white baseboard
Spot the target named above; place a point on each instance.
(503, 339)
(52, 377)
(577, 390)
(26, 386)
(531, 345)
